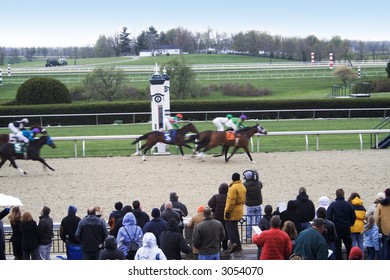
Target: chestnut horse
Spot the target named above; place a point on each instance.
(171, 137)
(227, 139)
(7, 152)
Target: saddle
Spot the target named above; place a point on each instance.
(232, 136)
(170, 135)
(19, 147)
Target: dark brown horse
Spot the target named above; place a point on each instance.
(227, 139)
(171, 137)
(8, 152)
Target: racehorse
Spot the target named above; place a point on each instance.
(5, 138)
(237, 139)
(7, 152)
(171, 137)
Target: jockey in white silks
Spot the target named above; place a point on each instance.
(220, 122)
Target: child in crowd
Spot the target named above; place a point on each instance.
(371, 238)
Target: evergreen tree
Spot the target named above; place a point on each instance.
(125, 42)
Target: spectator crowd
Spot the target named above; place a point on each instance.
(334, 229)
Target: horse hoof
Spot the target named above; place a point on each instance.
(253, 161)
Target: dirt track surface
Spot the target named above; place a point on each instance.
(86, 182)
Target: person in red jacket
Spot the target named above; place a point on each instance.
(275, 243)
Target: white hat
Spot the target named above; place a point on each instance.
(380, 196)
(324, 201)
(25, 120)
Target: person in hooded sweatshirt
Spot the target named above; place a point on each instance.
(323, 202)
(127, 233)
(306, 207)
(292, 214)
(149, 249)
(68, 229)
(110, 251)
(358, 227)
(172, 241)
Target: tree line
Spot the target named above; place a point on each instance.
(253, 42)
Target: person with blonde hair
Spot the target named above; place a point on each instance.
(371, 238)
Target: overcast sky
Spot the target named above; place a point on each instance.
(62, 23)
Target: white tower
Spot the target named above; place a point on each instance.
(159, 99)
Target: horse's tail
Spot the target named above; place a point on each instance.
(143, 137)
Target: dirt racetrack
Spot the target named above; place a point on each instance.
(86, 182)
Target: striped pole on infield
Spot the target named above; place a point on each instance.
(331, 61)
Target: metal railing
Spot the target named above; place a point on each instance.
(208, 115)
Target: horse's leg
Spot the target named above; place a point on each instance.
(147, 148)
(248, 153)
(13, 163)
(233, 152)
(41, 160)
(181, 150)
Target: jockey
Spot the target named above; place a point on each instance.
(28, 135)
(219, 122)
(237, 123)
(170, 122)
(16, 126)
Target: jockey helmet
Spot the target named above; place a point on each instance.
(243, 117)
(179, 116)
(25, 120)
(229, 116)
(36, 130)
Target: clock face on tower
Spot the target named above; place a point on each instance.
(157, 97)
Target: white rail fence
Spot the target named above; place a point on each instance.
(306, 134)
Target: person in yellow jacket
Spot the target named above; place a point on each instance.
(234, 211)
(358, 226)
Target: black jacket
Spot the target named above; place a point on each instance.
(342, 214)
(306, 207)
(172, 241)
(110, 251)
(29, 231)
(141, 217)
(45, 230)
(292, 214)
(68, 228)
(92, 231)
(253, 193)
(217, 203)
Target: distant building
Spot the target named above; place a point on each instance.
(161, 50)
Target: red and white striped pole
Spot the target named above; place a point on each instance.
(312, 58)
(331, 61)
